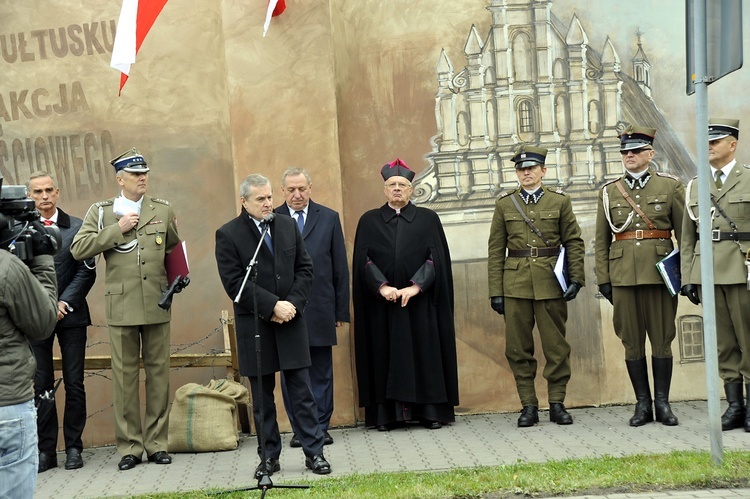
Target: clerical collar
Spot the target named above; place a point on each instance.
(638, 180)
(531, 197)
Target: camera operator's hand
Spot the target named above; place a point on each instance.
(127, 222)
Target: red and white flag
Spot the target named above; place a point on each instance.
(275, 8)
(136, 19)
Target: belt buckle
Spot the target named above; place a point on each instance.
(639, 234)
(716, 235)
(534, 252)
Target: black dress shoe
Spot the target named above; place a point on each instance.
(385, 427)
(558, 414)
(529, 416)
(294, 442)
(327, 438)
(272, 466)
(73, 460)
(318, 464)
(128, 462)
(431, 425)
(160, 457)
(46, 461)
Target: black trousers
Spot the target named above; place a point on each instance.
(321, 382)
(72, 342)
(303, 407)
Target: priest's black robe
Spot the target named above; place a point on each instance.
(406, 356)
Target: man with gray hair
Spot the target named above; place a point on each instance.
(328, 306)
(274, 300)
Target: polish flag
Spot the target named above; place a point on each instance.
(275, 8)
(136, 19)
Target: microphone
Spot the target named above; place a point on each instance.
(268, 218)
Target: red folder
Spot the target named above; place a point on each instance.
(176, 262)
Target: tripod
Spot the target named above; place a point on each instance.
(263, 476)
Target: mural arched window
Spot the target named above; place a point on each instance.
(562, 115)
(523, 58)
(462, 128)
(595, 117)
(491, 117)
(559, 70)
(638, 73)
(526, 120)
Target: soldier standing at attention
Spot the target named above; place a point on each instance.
(134, 232)
(529, 227)
(730, 236)
(636, 215)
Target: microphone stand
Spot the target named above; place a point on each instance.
(264, 480)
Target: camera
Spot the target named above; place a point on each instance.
(21, 230)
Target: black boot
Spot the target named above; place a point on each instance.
(734, 416)
(638, 371)
(662, 370)
(747, 413)
(529, 416)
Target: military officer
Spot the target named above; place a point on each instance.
(730, 236)
(636, 215)
(529, 227)
(134, 232)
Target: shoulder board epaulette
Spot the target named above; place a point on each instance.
(557, 191)
(668, 175)
(108, 202)
(505, 193)
(610, 182)
(162, 201)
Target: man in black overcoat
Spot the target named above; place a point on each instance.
(285, 274)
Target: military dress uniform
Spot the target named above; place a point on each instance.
(135, 279)
(730, 246)
(627, 249)
(520, 269)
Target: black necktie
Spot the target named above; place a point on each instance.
(267, 236)
(300, 220)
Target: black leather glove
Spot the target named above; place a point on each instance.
(498, 304)
(572, 291)
(606, 291)
(691, 291)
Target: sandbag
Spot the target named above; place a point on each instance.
(204, 418)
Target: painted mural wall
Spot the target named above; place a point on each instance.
(340, 87)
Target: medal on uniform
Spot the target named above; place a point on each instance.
(657, 207)
(158, 238)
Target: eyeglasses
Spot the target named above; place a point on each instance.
(397, 185)
(634, 151)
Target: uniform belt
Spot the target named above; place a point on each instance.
(533, 252)
(643, 234)
(720, 235)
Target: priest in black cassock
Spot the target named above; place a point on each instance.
(405, 341)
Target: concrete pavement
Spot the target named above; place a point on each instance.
(474, 440)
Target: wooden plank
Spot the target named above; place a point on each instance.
(99, 362)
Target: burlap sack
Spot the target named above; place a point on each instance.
(204, 418)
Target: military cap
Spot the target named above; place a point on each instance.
(397, 168)
(528, 156)
(130, 161)
(637, 137)
(719, 128)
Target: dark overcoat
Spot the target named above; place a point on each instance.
(329, 298)
(286, 274)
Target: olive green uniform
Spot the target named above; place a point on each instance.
(642, 303)
(531, 290)
(730, 272)
(135, 280)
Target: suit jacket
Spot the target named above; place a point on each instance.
(286, 274)
(329, 298)
(633, 262)
(533, 278)
(134, 280)
(729, 258)
(74, 278)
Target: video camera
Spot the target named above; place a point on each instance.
(21, 230)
